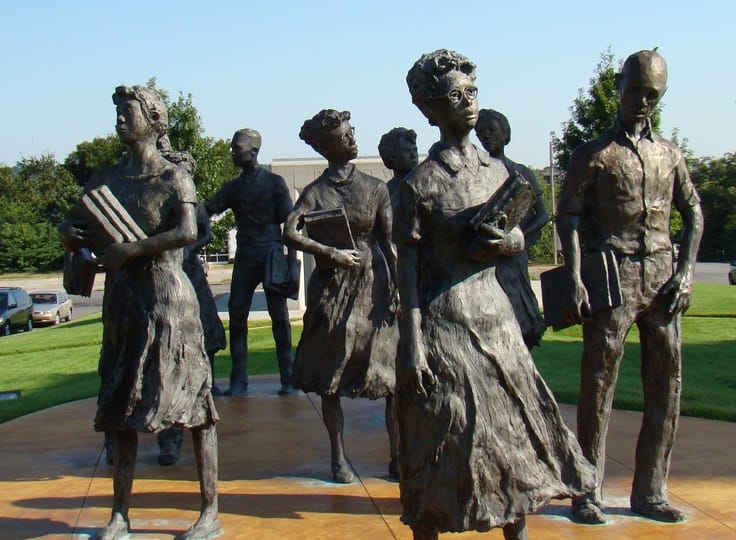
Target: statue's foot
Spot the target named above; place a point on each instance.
(216, 390)
(659, 512)
(393, 470)
(286, 389)
(168, 458)
(237, 388)
(588, 512)
(205, 528)
(116, 529)
(342, 474)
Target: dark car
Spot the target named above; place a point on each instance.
(732, 274)
(51, 307)
(16, 310)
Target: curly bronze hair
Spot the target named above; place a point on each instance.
(152, 104)
(389, 141)
(314, 130)
(424, 77)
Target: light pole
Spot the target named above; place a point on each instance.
(554, 201)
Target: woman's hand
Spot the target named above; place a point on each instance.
(75, 234)
(346, 257)
(491, 241)
(115, 256)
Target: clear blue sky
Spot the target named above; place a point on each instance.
(270, 65)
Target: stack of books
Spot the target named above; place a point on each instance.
(111, 224)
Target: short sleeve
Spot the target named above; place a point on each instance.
(684, 193)
(572, 199)
(284, 204)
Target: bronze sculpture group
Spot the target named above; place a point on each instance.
(408, 302)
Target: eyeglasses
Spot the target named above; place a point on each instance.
(456, 95)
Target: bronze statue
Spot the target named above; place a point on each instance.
(482, 440)
(398, 150)
(348, 345)
(154, 368)
(494, 132)
(619, 190)
(260, 201)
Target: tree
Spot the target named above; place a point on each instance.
(33, 200)
(212, 156)
(91, 155)
(593, 111)
(715, 180)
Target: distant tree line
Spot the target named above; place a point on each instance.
(36, 193)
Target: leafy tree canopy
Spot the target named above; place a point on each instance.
(593, 110)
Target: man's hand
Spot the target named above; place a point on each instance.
(677, 292)
(577, 307)
(346, 257)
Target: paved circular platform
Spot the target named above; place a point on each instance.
(275, 478)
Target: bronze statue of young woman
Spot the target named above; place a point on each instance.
(482, 440)
(348, 345)
(154, 368)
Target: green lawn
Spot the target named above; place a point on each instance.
(59, 364)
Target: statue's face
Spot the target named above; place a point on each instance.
(244, 150)
(131, 124)
(456, 106)
(339, 144)
(491, 136)
(405, 156)
(641, 90)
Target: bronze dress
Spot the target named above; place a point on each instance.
(154, 369)
(489, 443)
(348, 345)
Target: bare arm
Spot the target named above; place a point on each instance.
(294, 239)
(687, 202)
(183, 234)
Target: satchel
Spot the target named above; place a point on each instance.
(277, 278)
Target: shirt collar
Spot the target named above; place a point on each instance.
(618, 129)
(453, 159)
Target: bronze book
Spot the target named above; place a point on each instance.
(329, 227)
(508, 206)
(110, 219)
(599, 271)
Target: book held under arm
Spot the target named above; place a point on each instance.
(330, 227)
(111, 224)
(599, 272)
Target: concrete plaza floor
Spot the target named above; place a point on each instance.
(275, 477)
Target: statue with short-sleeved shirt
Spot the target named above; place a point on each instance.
(618, 194)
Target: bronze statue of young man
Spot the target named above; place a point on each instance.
(260, 201)
(619, 190)
(494, 132)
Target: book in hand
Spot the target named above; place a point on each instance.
(599, 272)
(508, 206)
(330, 227)
(109, 218)
(111, 224)
(80, 268)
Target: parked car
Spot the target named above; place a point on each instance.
(732, 274)
(51, 307)
(16, 310)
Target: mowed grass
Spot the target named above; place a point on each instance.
(59, 364)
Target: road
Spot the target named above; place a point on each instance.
(704, 273)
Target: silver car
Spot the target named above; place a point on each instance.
(51, 307)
